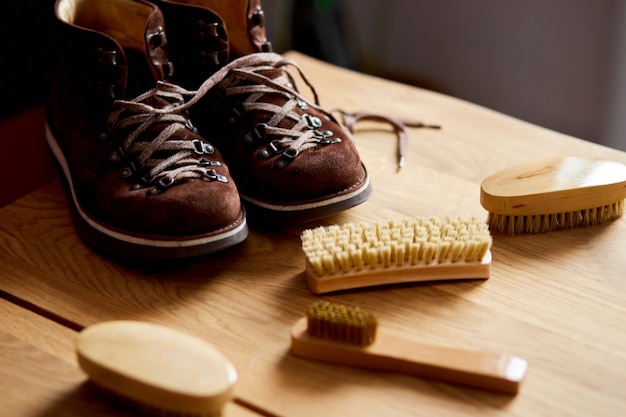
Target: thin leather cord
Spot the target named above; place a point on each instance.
(251, 68)
(399, 126)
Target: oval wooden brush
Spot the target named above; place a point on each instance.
(554, 194)
(156, 370)
(348, 335)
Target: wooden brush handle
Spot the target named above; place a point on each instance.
(156, 366)
(554, 185)
(389, 352)
(397, 274)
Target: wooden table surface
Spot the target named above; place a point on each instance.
(557, 300)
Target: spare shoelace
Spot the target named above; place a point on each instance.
(399, 126)
(249, 68)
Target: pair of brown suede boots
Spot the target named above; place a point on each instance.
(172, 120)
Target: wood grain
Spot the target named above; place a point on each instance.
(391, 352)
(557, 300)
(39, 375)
(555, 185)
(158, 366)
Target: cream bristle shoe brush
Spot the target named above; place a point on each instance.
(554, 194)
(349, 335)
(390, 252)
(155, 370)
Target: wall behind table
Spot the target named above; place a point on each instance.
(556, 63)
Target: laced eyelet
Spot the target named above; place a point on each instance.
(161, 185)
(258, 17)
(106, 58)
(117, 156)
(189, 125)
(106, 91)
(313, 122)
(324, 137)
(147, 179)
(267, 46)
(258, 132)
(286, 158)
(202, 148)
(210, 29)
(157, 39)
(291, 153)
(212, 175)
(166, 182)
(236, 113)
(126, 173)
(329, 141)
(273, 148)
(210, 58)
(107, 73)
(203, 162)
(130, 170)
(207, 30)
(168, 69)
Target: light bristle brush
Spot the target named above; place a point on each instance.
(348, 335)
(554, 194)
(390, 252)
(155, 370)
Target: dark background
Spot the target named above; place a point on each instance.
(556, 63)
(27, 63)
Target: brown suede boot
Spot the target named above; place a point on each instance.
(197, 41)
(292, 160)
(244, 20)
(141, 181)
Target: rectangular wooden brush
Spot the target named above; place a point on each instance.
(391, 252)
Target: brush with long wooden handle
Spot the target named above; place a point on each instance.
(348, 335)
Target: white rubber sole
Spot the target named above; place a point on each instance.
(303, 212)
(134, 245)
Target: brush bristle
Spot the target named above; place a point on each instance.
(418, 241)
(543, 223)
(341, 322)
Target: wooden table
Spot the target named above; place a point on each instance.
(558, 300)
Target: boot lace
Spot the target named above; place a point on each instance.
(250, 79)
(162, 161)
(247, 76)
